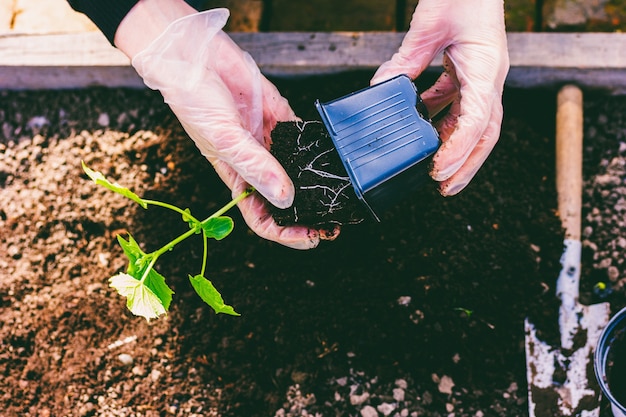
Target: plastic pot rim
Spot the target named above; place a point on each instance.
(615, 324)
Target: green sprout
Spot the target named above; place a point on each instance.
(469, 314)
(466, 311)
(147, 294)
(601, 289)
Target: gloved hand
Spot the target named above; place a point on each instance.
(229, 109)
(472, 35)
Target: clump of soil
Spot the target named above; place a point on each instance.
(324, 192)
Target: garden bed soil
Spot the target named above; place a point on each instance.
(420, 314)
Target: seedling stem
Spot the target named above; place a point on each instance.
(146, 291)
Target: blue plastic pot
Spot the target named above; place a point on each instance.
(385, 140)
(604, 351)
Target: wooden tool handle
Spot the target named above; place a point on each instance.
(569, 158)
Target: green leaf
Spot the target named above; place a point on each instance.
(156, 282)
(136, 257)
(187, 218)
(130, 247)
(138, 262)
(210, 295)
(140, 300)
(100, 179)
(218, 227)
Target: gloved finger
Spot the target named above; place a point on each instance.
(275, 108)
(453, 152)
(457, 182)
(478, 98)
(447, 124)
(209, 117)
(243, 79)
(257, 217)
(257, 167)
(421, 44)
(254, 211)
(438, 96)
(220, 120)
(257, 101)
(249, 92)
(450, 89)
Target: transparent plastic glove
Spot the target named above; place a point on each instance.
(471, 33)
(229, 109)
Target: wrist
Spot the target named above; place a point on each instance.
(146, 21)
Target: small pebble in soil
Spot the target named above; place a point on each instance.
(125, 359)
(103, 120)
(385, 408)
(398, 394)
(369, 411)
(358, 399)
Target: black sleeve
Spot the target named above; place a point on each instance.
(107, 15)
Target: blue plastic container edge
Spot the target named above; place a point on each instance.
(604, 343)
(355, 182)
(361, 194)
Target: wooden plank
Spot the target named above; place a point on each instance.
(7, 14)
(520, 15)
(595, 60)
(63, 61)
(47, 16)
(584, 15)
(304, 53)
(245, 15)
(332, 15)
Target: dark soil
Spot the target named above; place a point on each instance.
(420, 314)
(324, 193)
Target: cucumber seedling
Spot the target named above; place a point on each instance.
(146, 291)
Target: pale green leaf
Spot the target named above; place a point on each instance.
(140, 299)
(138, 262)
(100, 179)
(209, 294)
(218, 227)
